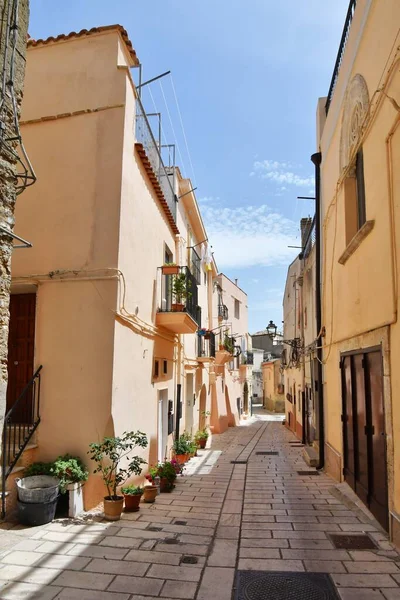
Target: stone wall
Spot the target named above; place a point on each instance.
(8, 169)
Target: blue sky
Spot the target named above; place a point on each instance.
(247, 76)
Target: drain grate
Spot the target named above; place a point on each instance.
(189, 560)
(267, 453)
(180, 523)
(154, 529)
(171, 541)
(238, 462)
(304, 473)
(352, 542)
(276, 585)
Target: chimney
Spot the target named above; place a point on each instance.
(236, 282)
(305, 226)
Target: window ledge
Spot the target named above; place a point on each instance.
(356, 241)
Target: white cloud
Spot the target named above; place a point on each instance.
(282, 173)
(249, 236)
(207, 200)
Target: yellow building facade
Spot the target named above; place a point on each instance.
(358, 143)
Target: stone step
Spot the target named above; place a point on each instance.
(310, 455)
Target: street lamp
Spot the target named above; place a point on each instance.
(271, 330)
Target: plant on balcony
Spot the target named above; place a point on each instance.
(170, 269)
(108, 455)
(180, 291)
(229, 344)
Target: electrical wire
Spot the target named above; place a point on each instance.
(173, 129)
(183, 130)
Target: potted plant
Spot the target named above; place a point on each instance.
(150, 491)
(132, 495)
(202, 331)
(228, 344)
(180, 291)
(201, 438)
(207, 334)
(170, 269)
(72, 474)
(167, 473)
(116, 465)
(181, 449)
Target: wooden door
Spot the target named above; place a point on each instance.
(21, 342)
(348, 426)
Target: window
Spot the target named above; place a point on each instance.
(165, 367)
(354, 198)
(156, 369)
(237, 309)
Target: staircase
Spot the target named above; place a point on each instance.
(19, 440)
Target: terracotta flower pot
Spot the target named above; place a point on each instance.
(170, 270)
(149, 493)
(166, 485)
(177, 307)
(181, 458)
(113, 508)
(202, 443)
(132, 502)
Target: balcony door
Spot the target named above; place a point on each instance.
(166, 281)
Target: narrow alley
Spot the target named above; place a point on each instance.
(248, 520)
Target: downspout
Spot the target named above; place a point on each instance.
(316, 159)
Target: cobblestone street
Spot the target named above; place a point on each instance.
(258, 514)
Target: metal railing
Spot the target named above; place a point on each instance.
(144, 136)
(195, 262)
(206, 345)
(223, 312)
(340, 54)
(20, 423)
(310, 240)
(248, 358)
(179, 294)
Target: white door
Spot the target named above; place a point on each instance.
(162, 424)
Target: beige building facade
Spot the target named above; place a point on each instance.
(273, 386)
(358, 138)
(117, 338)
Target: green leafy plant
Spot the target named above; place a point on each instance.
(109, 454)
(229, 344)
(202, 434)
(39, 468)
(181, 288)
(169, 264)
(165, 470)
(181, 446)
(132, 490)
(69, 469)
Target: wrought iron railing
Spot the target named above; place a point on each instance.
(144, 136)
(223, 312)
(20, 423)
(340, 54)
(179, 294)
(248, 358)
(310, 240)
(195, 262)
(206, 345)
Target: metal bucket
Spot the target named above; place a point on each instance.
(33, 514)
(38, 488)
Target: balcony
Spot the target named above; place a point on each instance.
(223, 313)
(248, 358)
(205, 347)
(179, 311)
(226, 350)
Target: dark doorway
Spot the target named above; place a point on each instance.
(364, 435)
(21, 343)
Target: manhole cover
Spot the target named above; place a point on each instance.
(259, 585)
(180, 522)
(171, 541)
(267, 453)
(154, 529)
(315, 473)
(238, 462)
(352, 542)
(189, 560)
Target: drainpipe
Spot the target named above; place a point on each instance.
(316, 159)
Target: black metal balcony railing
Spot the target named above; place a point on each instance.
(179, 294)
(206, 345)
(144, 136)
(310, 240)
(20, 423)
(195, 262)
(340, 54)
(223, 312)
(248, 358)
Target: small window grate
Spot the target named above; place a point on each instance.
(307, 473)
(180, 523)
(238, 462)
(352, 542)
(189, 560)
(267, 453)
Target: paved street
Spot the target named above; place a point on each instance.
(260, 515)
